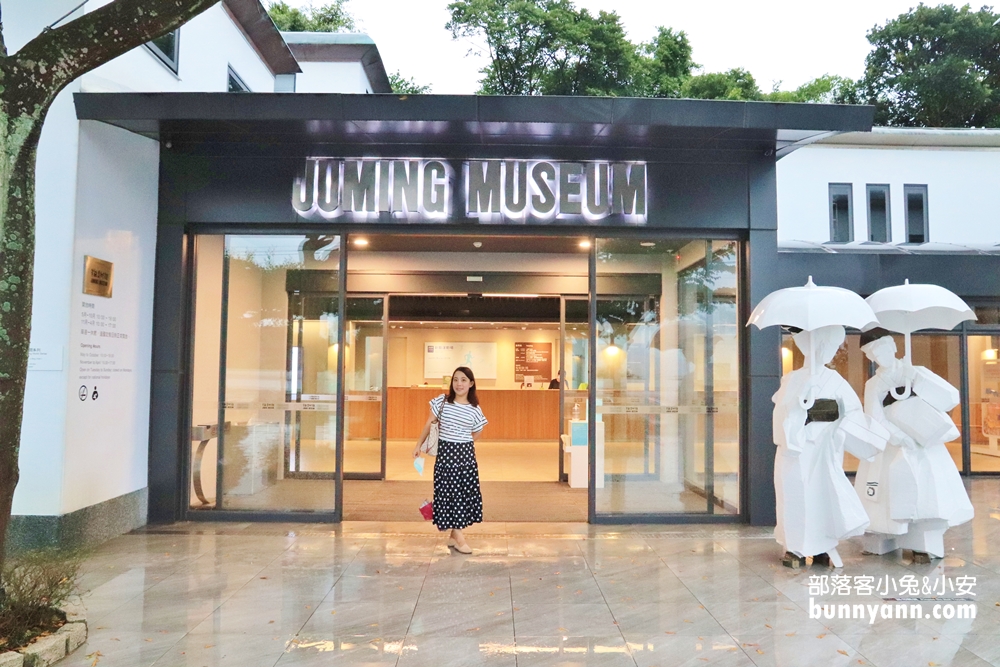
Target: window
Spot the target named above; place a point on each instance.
(841, 213)
(916, 213)
(166, 48)
(878, 214)
(236, 84)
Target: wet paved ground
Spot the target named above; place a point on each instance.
(249, 595)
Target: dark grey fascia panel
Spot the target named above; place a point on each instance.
(427, 118)
(969, 276)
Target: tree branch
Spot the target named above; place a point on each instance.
(3, 44)
(46, 64)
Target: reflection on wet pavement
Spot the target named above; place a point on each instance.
(276, 595)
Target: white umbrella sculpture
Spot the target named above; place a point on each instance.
(811, 307)
(911, 307)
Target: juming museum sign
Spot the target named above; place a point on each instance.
(490, 191)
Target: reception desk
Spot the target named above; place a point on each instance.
(514, 414)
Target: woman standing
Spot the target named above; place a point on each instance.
(458, 501)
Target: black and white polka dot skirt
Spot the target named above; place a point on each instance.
(458, 501)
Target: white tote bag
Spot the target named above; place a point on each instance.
(430, 444)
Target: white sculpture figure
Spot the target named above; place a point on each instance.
(816, 416)
(912, 491)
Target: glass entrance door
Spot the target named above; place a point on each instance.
(364, 387)
(311, 413)
(667, 378)
(265, 379)
(575, 378)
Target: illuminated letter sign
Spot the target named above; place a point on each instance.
(362, 189)
(521, 190)
(534, 191)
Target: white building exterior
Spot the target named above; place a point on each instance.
(959, 167)
(84, 456)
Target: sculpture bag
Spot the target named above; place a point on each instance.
(430, 444)
(922, 422)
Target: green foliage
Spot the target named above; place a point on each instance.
(549, 47)
(35, 585)
(522, 37)
(933, 67)
(827, 89)
(404, 86)
(594, 56)
(736, 84)
(332, 17)
(666, 64)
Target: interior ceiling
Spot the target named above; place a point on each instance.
(410, 243)
(492, 326)
(490, 244)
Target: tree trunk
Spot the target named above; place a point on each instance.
(18, 146)
(29, 82)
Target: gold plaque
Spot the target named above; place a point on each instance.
(98, 276)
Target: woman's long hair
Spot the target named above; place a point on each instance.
(465, 370)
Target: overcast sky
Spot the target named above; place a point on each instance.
(791, 41)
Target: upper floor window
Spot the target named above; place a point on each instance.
(167, 49)
(841, 213)
(878, 214)
(916, 213)
(236, 84)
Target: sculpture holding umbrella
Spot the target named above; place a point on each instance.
(907, 308)
(816, 416)
(912, 492)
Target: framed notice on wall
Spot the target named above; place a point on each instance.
(533, 360)
(441, 359)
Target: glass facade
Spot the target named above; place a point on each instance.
(266, 369)
(667, 381)
(281, 348)
(984, 402)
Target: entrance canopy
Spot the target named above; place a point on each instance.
(467, 120)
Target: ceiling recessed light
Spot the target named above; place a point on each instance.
(584, 244)
(361, 242)
(477, 244)
(647, 244)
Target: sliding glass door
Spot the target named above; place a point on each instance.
(265, 375)
(667, 378)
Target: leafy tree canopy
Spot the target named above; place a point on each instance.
(933, 67)
(736, 84)
(332, 17)
(666, 64)
(549, 47)
(404, 86)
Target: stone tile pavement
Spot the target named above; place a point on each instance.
(532, 595)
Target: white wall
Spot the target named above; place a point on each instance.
(332, 78)
(72, 454)
(208, 44)
(107, 438)
(962, 193)
(417, 338)
(39, 490)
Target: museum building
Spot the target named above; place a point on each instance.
(264, 290)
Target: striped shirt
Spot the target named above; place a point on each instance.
(457, 422)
